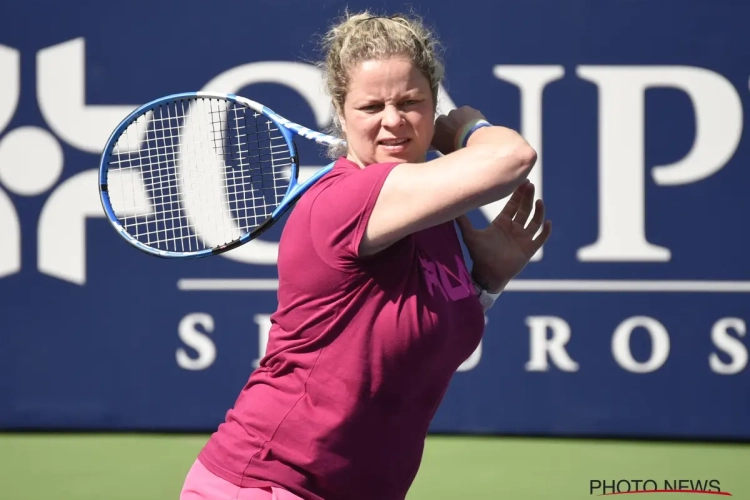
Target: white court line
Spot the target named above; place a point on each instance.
(682, 286)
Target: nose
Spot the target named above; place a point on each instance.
(392, 117)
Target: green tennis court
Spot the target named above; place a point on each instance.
(152, 467)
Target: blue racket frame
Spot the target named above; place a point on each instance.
(293, 193)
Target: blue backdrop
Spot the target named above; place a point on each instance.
(632, 322)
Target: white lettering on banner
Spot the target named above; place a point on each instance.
(303, 78)
(61, 94)
(659, 344)
(23, 173)
(473, 360)
(10, 244)
(61, 235)
(622, 211)
(10, 225)
(10, 84)
(264, 327)
(545, 350)
(729, 345)
(531, 80)
(542, 348)
(197, 340)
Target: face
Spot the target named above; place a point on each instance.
(388, 113)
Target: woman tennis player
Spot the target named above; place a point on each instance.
(377, 308)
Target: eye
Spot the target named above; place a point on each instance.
(371, 108)
(410, 102)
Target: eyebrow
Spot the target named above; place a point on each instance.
(407, 94)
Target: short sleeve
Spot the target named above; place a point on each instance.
(340, 211)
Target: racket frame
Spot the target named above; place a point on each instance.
(293, 192)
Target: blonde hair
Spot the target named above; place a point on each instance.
(360, 37)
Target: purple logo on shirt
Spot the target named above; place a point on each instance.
(455, 285)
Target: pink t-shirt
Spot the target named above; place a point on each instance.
(360, 352)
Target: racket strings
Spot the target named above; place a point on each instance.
(197, 173)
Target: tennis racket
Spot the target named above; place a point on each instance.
(196, 174)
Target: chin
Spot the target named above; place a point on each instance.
(403, 157)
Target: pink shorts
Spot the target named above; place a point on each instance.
(201, 484)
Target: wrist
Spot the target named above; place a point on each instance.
(486, 299)
(494, 288)
(467, 130)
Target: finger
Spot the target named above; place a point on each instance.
(543, 236)
(464, 224)
(524, 208)
(537, 219)
(510, 208)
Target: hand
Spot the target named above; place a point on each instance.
(503, 249)
(447, 127)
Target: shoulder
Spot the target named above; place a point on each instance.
(334, 211)
(347, 181)
(347, 169)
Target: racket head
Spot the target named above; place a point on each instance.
(196, 174)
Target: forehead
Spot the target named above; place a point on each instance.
(386, 77)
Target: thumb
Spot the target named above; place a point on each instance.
(464, 224)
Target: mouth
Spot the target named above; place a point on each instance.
(394, 145)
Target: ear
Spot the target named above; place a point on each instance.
(342, 121)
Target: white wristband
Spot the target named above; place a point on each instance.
(486, 299)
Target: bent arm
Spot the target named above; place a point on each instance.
(416, 196)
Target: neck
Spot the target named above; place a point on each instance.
(354, 159)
